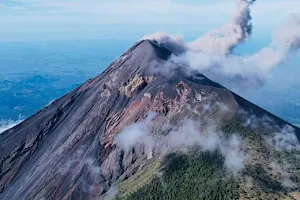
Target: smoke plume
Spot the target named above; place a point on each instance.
(222, 41)
(175, 43)
(212, 55)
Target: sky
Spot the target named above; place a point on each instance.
(46, 20)
(117, 24)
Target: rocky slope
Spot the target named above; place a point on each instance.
(68, 149)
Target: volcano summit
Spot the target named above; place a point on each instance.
(139, 131)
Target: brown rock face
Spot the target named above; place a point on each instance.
(66, 150)
(136, 84)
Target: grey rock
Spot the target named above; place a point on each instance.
(66, 150)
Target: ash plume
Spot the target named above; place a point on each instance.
(212, 54)
(174, 43)
(222, 41)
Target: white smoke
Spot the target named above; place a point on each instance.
(212, 53)
(174, 43)
(281, 138)
(234, 154)
(284, 139)
(182, 139)
(111, 193)
(285, 177)
(223, 41)
(7, 124)
(253, 69)
(210, 139)
(137, 133)
(287, 36)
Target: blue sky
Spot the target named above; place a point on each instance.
(35, 20)
(126, 21)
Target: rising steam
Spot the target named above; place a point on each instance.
(212, 55)
(182, 138)
(222, 41)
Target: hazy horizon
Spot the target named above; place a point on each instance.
(64, 43)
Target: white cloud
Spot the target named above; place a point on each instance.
(209, 139)
(7, 124)
(287, 36)
(186, 135)
(224, 40)
(137, 133)
(236, 72)
(285, 177)
(284, 139)
(175, 43)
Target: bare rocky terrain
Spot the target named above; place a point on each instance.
(68, 149)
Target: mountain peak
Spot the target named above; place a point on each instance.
(68, 149)
(148, 51)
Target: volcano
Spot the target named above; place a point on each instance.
(68, 149)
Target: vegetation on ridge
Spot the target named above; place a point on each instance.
(199, 175)
(202, 175)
